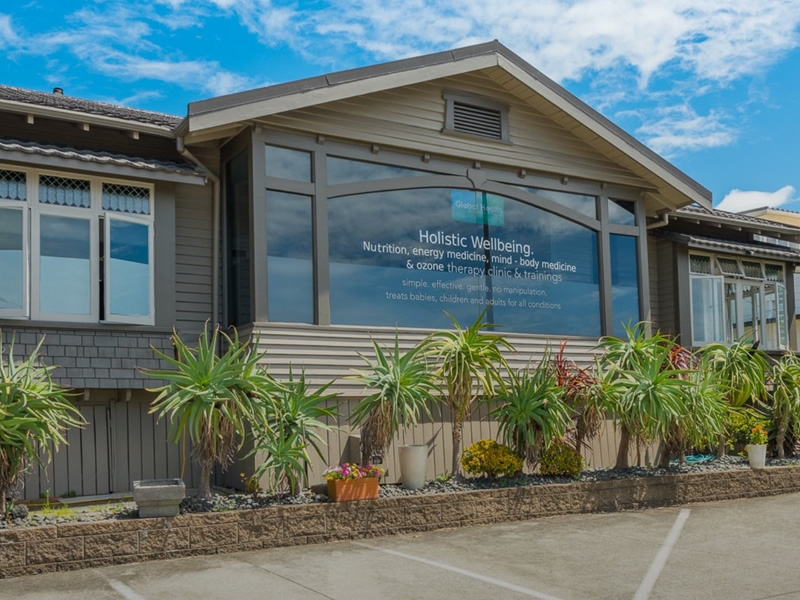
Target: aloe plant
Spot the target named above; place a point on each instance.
(403, 389)
(35, 413)
(289, 418)
(785, 378)
(471, 363)
(210, 396)
(530, 411)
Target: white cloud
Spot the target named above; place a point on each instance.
(8, 36)
(679, 129)
(737, 200)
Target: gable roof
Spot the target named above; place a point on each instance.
(674, 187)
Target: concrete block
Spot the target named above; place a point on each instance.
(158, 497)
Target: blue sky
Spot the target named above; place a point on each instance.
(712, 85)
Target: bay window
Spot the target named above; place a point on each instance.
(75, 248)
(734, 299)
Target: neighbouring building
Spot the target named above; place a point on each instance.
(323, 213)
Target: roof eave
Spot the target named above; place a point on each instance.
(74, 116)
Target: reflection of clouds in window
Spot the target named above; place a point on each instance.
(586, 205)
(64, 266)
(621, 212)
(288, 164)
(10, 259)
(290, 281)
(374, 286)
(343, 170)
(129, 269)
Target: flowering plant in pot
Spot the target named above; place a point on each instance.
(351, 481)
(757, 448)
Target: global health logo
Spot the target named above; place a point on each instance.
(476, 207)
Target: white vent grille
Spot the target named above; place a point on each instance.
(477, 120)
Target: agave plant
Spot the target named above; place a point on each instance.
(470, 364)
(648, 393)
(403, 390)
(290, 417)
(530, 411)
(785, 378)
(742, 367)
(35, 413)
(210, 396)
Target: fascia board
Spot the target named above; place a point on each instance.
(332, 93)
(62, 114)
(598, 128)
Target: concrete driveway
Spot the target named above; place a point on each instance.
(737, 550)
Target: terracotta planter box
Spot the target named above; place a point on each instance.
(346, 490)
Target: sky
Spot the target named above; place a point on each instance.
(711, 85)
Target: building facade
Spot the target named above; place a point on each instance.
(320, 214)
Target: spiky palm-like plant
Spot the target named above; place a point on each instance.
(210, 396)
(785, 378)
(35, 412)
(742, 368)
(470, 363)
(290, 415)
(530, 411)
(403, 388)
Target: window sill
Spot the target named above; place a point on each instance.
(19, 324)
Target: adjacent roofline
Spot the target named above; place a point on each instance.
(37, 155)
(67, 108)
(740, 248)
(736, 220)
(243, 106)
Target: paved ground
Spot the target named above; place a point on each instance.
(738, 550)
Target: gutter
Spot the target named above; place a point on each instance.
(662, 222)
(215, 181)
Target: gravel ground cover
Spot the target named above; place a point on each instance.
(229, 500)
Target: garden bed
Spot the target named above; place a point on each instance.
(77, 545)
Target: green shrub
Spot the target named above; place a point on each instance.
(490, 458)
(561, 459)
(740, 424)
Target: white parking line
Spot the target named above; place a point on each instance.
(464, 572)
(123, 590)
(649, 581)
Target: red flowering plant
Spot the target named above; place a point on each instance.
(352, 471)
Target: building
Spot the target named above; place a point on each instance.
(326, 212)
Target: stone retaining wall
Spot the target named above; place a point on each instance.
(26, 551)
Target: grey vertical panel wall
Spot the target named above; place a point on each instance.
(193, 221)
(120, 443)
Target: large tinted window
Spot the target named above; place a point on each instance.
(403, 257)
(290, 272)
(624, 282)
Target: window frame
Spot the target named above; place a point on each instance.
(33, 210)
(131, 319)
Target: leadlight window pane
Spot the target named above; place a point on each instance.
(752, 270)
(729, 266)
(11, 259)
(290, 268)
(774, 272)
(129, 269)
(586, 205)
(284, 163)
(130, 199)
(344, 170)
(64, 191)
(700, 264)
(12, 185)
(621, 212)
(65, 286)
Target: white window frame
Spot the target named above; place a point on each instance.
(128, 218)
(32, 210)
(720, 318)
(22, 313)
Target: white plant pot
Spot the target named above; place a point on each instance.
(413, 463)
(757, 455)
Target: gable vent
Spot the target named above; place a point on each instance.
(476, 120)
